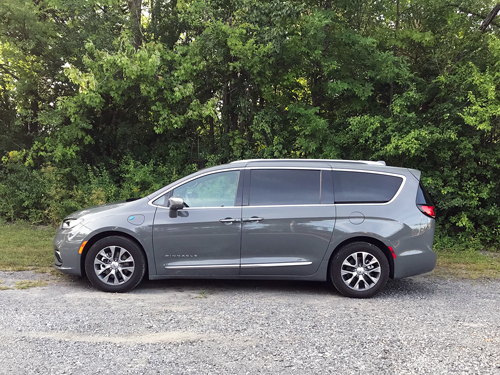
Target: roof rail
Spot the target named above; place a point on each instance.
(380, 162)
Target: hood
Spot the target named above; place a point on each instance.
(100, 210)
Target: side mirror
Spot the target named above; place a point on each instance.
(176, 203)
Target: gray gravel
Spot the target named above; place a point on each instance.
(420, 325)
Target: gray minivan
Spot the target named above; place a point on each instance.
(354, 223)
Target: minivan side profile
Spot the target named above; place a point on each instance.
(353, 223)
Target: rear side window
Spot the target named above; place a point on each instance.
(423, 198)
(364, 187)
(284, 187)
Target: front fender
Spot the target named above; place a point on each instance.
(122, 224)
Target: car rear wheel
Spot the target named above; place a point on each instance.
(359, 270)
(115, 264)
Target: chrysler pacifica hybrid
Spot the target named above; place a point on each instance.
(352, 223)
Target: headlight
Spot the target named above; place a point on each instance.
(70, 223)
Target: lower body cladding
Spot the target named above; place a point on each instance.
(319, 275)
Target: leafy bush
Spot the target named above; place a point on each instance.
(126, 106)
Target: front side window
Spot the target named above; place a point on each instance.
(284, 187)
(213, 190)
(364, 187)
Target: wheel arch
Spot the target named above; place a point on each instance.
(374, 241)
(100, 236)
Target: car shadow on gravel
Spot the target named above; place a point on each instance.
(414, 286)
(244, 286)
(410, 286)
(417, 286)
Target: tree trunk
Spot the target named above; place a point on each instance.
(489, 18)
(135, 8)
(394, 49)
(211, 134)
(233, 82)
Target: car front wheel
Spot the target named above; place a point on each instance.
(115, 264)
(359, 270)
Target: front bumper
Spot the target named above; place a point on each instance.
(67, 243)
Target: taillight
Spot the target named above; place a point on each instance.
(428, 210)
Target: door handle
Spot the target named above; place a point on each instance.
(252, 219)
(228, 220)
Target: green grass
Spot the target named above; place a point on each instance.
(25, 284)
(468, 265)
(25, 247)
(202, 294)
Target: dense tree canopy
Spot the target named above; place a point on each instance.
(106, 99)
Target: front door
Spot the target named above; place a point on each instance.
(202, 239)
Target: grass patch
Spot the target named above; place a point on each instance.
(202, 294)
(468, 265)
(3, 287)
(25, 247)
(25, 284)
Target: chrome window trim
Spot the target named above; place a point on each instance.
(276, 205)
(375, 172)
(403, 177)
(191, 179)
(306, 168)
(295, 205)
(200, 208)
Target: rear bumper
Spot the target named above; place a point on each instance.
(415, 255)
(414, 262)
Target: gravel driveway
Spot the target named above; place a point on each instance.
(420, 325)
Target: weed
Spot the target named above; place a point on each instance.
(25, 284)
(202, 293)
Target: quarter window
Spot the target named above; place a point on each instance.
(362, 187)
(284, 187)
(423, 197)
(213, 190)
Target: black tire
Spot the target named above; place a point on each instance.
(371, 277)
(115, 264)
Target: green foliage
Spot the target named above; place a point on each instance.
(97, 105)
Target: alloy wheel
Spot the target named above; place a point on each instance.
(114, 265)
(360, 271)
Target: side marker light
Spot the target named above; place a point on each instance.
(81, 247)
(392, 252)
